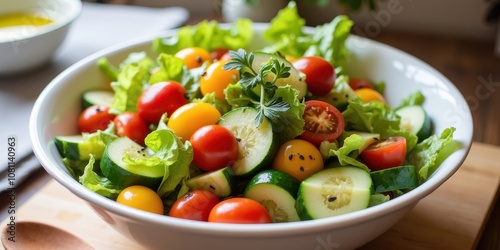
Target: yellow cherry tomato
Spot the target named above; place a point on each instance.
(298, 158)
(192, 116)
(368, 95)
(216, 79)
(194, 57)
(142, 198)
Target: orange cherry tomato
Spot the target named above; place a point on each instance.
(299, 158)
(194, 57)
(195, 205)
(94, 118)
(142, 198)
(216, 79)
(368, 95)
(192, 116)
(387, 153)
(239, 210)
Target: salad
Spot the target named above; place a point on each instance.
(208, 129)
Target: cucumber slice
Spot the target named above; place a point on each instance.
(220, 182)
(276, 191)
(295, 80)
(97, 97)
(74, 147)
(123, 174)
(415, 120)
(397, 178)
(334, 191)
(257, 145)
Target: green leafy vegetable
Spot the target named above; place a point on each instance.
(416, 98)
(349, 151)
(426, 153)
(208, 35)
(98, 184)
(269, 105)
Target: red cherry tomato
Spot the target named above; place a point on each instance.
(320, 74)
(358, 83)
(323, 122)
(160, 98)
(387, 153)
(214, 147)
(130, 124)
(94, 118)
(195, 205)
(239, 210)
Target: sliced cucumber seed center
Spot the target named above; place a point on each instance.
(337, 192)
(275, 212)
(245, 144)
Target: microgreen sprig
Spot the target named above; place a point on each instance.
(268, 105)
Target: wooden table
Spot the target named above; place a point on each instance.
(452, 217)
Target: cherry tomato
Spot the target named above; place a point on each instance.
(239, 210)
(368, 95)
(160, 98)
(323, 122)
(299, 158)
(94, 118)
(387, 153)
(130, 124)
(142, 198)
(195, 205)
(358, 83)
(216, 79)
(214, 147)
(320, 74)
(194, 57)
(218, 54)
(192, 116)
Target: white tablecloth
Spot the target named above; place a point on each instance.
(97, 27)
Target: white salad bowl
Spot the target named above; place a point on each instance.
(27, 47)
(56, 110)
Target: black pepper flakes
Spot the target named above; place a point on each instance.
(302, 157)
(301, 169)
(238, 139)
(212, 187)
(331, 198)
(290, 157)
(199, 59)
(311, 157)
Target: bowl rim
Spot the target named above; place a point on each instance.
(74, 10)
(244, 230)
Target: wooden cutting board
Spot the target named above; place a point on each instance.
(452, 217)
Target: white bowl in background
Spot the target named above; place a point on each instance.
(24, 48)
(403, 74)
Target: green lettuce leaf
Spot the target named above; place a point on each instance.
(96, 183)
(425, 155)
(349, 151)
(236, 97)
(107, 69)
(208, 35)
(131, 81)
(416, 98)
(378, 198)
(329, 40)
(286, 24)
(376, 117)
(169, 68)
